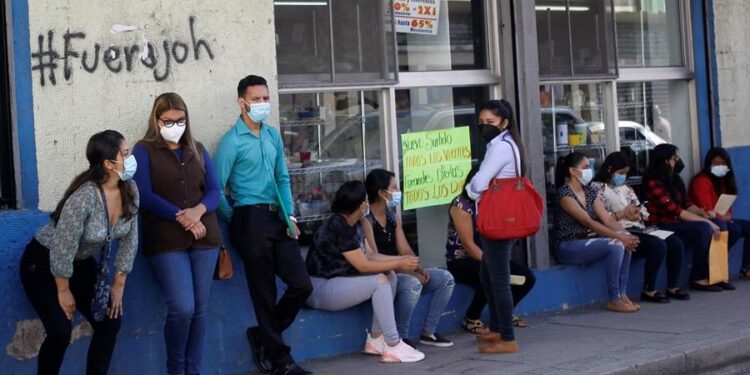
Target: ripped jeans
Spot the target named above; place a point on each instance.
(590, 250)
(409, 288)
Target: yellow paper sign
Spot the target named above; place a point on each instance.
(435, 164)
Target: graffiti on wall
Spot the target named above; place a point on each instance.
(48, 58)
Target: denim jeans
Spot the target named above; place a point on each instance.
(590, 250)
(494, 272)
(185, 277)
(695, 235)
(409, 289)
(740, 228)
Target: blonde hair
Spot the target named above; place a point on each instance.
(165, 102)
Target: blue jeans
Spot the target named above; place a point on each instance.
(696, 236)
(185, 277)
(494, 271)
(590, 250)
(740, 228)
(409, 289)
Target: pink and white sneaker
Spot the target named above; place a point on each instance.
(374, 346)
(401, 353)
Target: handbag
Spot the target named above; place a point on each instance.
(718, 259)
(510, 208)
(224, 269)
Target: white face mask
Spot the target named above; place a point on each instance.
(586, 176)
(719, 170)
(173, 134)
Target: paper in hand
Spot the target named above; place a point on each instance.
(724, 204)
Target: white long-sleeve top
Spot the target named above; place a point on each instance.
(498, 162)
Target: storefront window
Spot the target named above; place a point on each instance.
(652, 113)
(424, 109)
(575, 39)
(649, 33)
(456, 40)
(329, 138)
(572, 120)
(334, 42)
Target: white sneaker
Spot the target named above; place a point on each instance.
(373, 345)
(401, 353)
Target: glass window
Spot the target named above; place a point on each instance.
(572, 120)
(7, 182)
(329, 138)
(649, 33)
(334, 41)
(424, 109)
(576, 38)
(458, 42)
(652, 113)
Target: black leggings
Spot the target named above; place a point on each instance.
(654, 250)
(41, 289)
(466, 271)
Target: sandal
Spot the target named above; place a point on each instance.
(518, 322)
(475, 326)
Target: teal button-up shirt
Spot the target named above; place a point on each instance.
(240, 165)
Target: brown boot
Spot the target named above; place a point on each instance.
(489, 337)
(620, 306)
(500, 347)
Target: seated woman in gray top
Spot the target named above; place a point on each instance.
(58, 268)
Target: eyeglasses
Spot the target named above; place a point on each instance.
(171, 123)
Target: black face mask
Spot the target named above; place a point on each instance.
(679, 166)
(489, 132)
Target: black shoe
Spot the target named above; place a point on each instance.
(705, 288)
(726, 286)
(680, 295)
(435, 340)
(410, 342)
(290, 369)
(259, 352)
(656, 298)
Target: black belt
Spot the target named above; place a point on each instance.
(265, 207)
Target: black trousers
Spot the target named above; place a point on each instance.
(466, 271)
(266, 250)
(41, 289)
(654, 250)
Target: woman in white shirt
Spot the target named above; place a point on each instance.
(503, 159)
(621, 201)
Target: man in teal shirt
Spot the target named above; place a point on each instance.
(250, 162)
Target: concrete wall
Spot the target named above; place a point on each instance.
(99, 64)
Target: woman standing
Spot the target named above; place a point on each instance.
(717, 178)
(670, 208)
(503, 159)
(621, 201)
(181, 237)
(58, 270)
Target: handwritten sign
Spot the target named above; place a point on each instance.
(435, 164)
(416, 16)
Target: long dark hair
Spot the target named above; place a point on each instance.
(614, 162)
(377, 180)
(102, 146)
(562, 171)
(501, 108)
(349, 198)
(726, 184)
(659, 170)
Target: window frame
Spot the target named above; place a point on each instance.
(8, 199)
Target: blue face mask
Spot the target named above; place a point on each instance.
(259, 111)
(395, 199)
(131, 165)
(619, 179)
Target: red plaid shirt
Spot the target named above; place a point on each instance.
(662, 208)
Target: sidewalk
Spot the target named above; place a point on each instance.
(709, 333)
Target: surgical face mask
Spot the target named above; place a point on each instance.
(619, 179)
(679, 166)
(173, 134)
(586, 176)
(719, 170)
(258, 112)
(131, 165)
(395, 199)
(489, 132)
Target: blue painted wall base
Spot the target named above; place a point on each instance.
(140, 347)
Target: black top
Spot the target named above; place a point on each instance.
(385, 238)
(567, 227)
(332, 239)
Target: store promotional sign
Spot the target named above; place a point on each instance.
(416, 16)
(435, 165)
